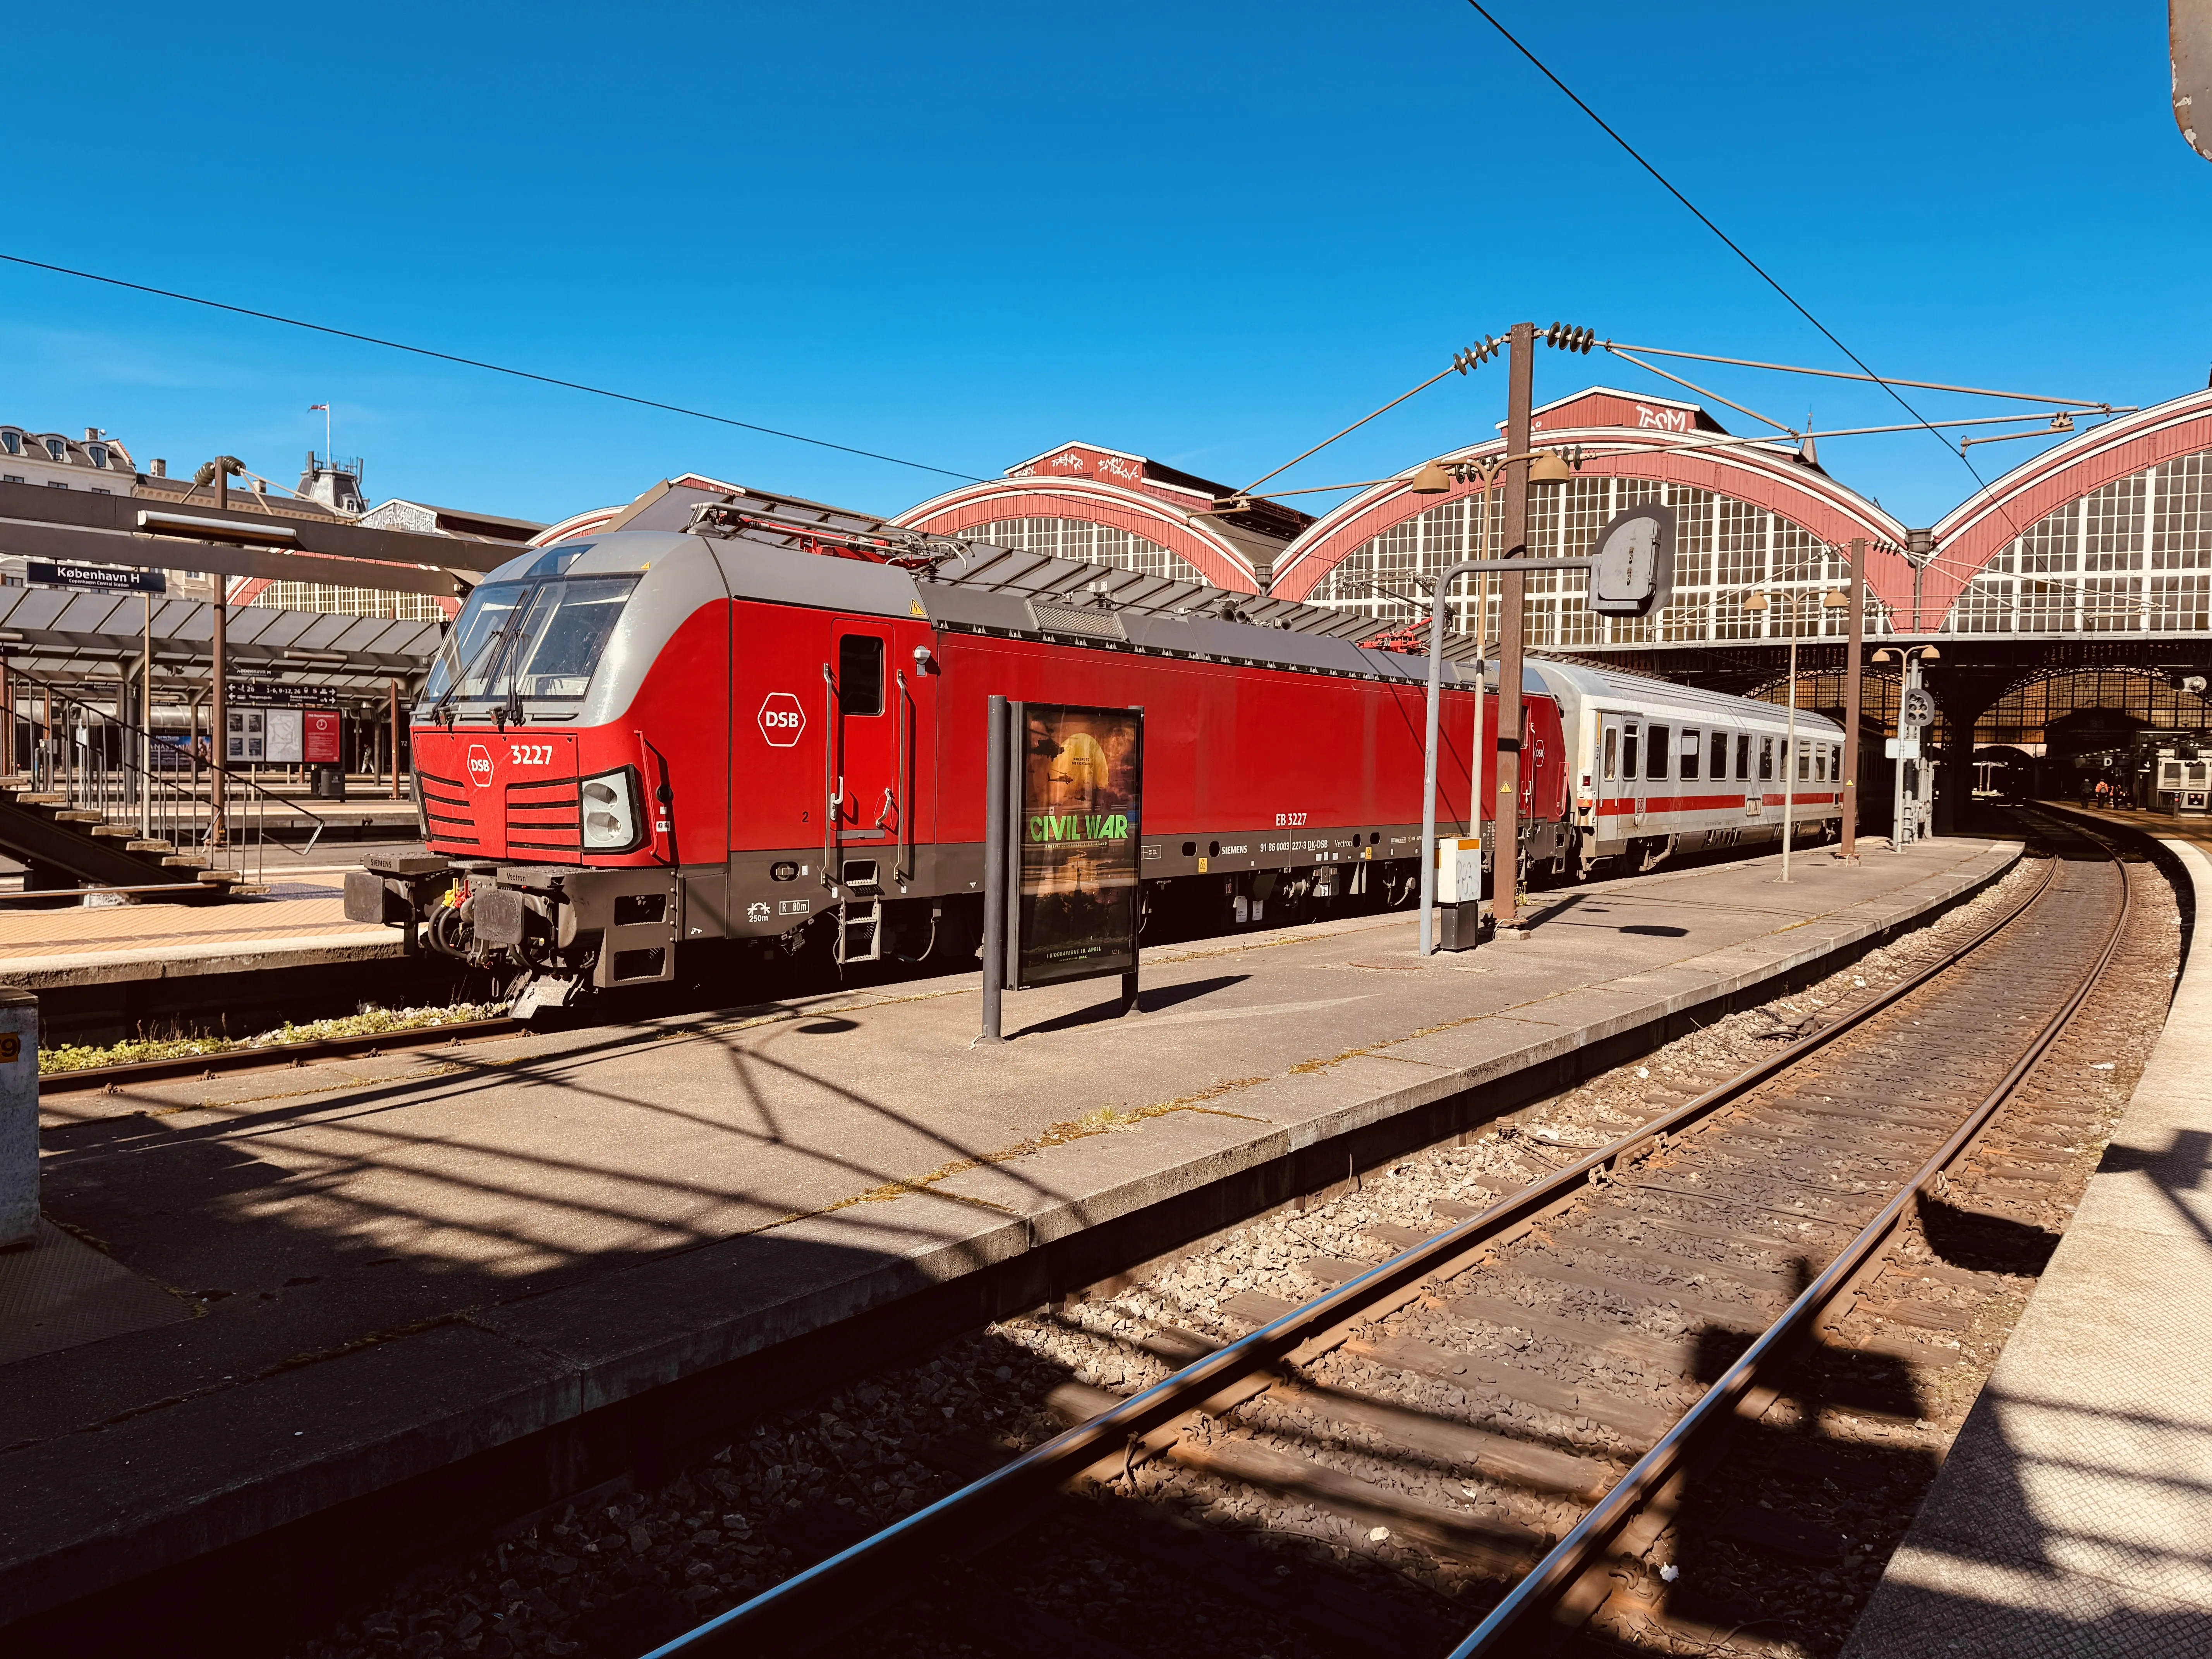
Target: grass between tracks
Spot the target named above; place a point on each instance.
(370, 1022)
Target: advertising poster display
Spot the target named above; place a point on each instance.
(1078, 791)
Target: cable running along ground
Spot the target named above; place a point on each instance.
(475, 363)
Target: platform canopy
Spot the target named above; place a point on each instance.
(59, 634)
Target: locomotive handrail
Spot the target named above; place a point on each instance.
(833, 786)
(1444, 579)
(902, 867)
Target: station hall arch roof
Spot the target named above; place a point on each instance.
(1624, 435)
(1102, 506)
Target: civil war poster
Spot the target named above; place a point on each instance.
(1079, 795)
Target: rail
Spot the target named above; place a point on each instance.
(812, 1608)
(94, 759)
(1585, 1542)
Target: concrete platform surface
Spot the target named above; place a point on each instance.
(301, 922)
(2074, 1516)
(397, 1261)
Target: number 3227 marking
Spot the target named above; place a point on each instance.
(530, 754)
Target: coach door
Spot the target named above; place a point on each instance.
(1632, 765)
(866, 827)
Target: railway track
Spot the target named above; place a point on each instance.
(1492, 1428)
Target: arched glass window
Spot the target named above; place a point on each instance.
(98, 453)
(12, 442)
(1725, 551)
(2132, 557)
(58, 449)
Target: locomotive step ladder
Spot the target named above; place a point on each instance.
(860, 916)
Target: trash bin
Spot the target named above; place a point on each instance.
(329, 782)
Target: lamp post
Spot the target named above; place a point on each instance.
(1912, 702)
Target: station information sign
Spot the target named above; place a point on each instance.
(94, 578)
(1077, 795)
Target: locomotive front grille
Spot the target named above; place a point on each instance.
(545, 818)
(445, 804)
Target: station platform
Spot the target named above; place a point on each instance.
(346, 1278)
(300, 920)
(2073, 1517)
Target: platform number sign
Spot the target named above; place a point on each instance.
(782, 719)
(1633, 563)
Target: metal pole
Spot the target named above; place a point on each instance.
(1440, 596)
(1506, 855)
(994, 869)
(395, 740)
(1789, 765)
(1436, 599)
(1900, 835)
(219, 747)
(146, 725)
(1850, 791)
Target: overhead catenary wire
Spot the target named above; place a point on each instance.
(1736, 248)
(489, 367)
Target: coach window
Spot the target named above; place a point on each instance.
(1743, 755)
(1767, 760)
(1691, 743)
(860, 674)
(1628, 751)
(1662, 738)
(1820, 763)
(1612, 755)
(1804, 760)
(1719, 768)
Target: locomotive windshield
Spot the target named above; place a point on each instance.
(528, 639)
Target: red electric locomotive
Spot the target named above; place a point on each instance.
(749, 718)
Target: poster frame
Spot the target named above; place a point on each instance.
(1119, 965)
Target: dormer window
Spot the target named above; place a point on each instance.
(98, 453)
(57, 448)
(12, 442)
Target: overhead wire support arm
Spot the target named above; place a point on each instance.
(1620, 350)
(1469, 358)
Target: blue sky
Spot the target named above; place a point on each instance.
(1208, 233)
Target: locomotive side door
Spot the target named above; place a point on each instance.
(863, 792)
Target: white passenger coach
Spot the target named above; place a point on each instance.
(1659, 768)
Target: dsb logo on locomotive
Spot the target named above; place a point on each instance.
(782, 719)
(479, 766)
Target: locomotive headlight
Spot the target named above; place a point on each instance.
(611, 813)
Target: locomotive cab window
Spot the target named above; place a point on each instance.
(1743, 757)
(1767, 760)
(860, 674)
(1691, 743)
(1662, 742)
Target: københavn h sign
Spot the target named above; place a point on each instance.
(96, 578)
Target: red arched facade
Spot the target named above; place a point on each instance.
(1627, 437)
(1053, 495)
